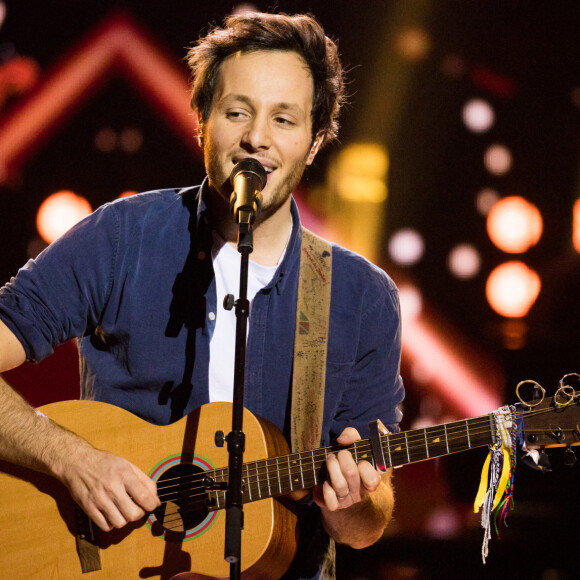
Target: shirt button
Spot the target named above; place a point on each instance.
(201, 255)
(211, 315)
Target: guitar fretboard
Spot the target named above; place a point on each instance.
(298, 471)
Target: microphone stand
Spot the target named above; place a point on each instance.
(236, 439)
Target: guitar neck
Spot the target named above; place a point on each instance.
(299, 471)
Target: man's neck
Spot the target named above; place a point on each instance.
(270, 235)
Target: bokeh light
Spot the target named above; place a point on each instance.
(128, 193)
(360, 173)
(478, 115)
(512, 288)
(411, 301)
(59, 212)
(514, 224)
(464, 261)
(413, 43)
(576, 225)
(498, 159)
(486, 198)
(406, 247)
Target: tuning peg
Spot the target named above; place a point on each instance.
(537, 460)
(544, 461)
(569, 457)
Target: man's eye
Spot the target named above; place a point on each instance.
(284, 121)
(235, 115)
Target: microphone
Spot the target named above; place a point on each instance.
(248, 178)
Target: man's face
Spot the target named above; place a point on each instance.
(262, 109)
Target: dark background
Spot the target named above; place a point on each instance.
(524, 57)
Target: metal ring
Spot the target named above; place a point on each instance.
(536, 384)
(341, 498)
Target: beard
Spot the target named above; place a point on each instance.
(276, 194)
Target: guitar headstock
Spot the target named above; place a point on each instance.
(552, 421)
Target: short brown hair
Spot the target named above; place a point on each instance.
(254, 31)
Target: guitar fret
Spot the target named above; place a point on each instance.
(389, 451)
(446, 438)
(467, 431)
(407, 447)
(426, 442)
(268, 480)
(258, 483)
(246, 483)
(278, 475)
(289, 473)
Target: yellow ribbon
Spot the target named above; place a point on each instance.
(483, 484)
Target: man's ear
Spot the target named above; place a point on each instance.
(200, 130)
(314, 148)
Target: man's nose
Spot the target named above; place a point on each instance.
(258, 135)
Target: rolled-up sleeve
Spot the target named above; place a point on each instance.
(59, 294)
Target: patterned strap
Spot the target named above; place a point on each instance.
(311, 341)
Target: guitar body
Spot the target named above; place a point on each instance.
(40, 522)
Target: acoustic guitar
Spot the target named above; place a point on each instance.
(44, 535)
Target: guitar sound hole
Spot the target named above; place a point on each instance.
(184, 500)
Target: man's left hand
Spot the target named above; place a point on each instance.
(348, 482)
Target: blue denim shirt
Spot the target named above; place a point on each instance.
(134, 282)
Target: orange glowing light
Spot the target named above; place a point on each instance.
(576, 226)
(128, 193)
(512, 288)
(59, 212)
(514, 224)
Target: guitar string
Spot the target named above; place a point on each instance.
(362, 448)
(400, 445)
(261, 467)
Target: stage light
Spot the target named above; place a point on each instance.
(106, 140)
(478, 115)
(514, 224)
(576, 225)
(361, 173)
(411, 301)
(453, 66)
(131, 140)
(464, 261)
(498, 159)
(59, 212)
(413, 43)
(485, 200)
(406, 247)
(512, 288)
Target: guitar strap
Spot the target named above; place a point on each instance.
(310, 349)
(310, 342)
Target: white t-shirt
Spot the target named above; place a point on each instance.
(226, 265)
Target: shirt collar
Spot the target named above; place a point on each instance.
(292, 255)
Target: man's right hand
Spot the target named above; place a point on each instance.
(110, 490)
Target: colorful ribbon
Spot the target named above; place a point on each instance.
(497, 475)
